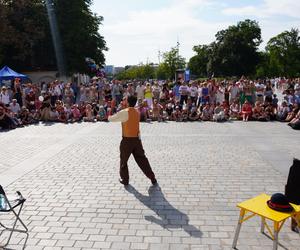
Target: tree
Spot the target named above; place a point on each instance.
(198, 63)
(284, 53)
(172, 61)
(143, 72)
(79, 29)
(236, 49)
(27, 42)
(23, 26)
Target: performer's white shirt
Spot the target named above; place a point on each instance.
(121, 116)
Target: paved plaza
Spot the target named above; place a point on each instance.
(69, 175)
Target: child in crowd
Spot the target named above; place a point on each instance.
(101, 114)
(206, 113)
(219, 114)
(89, 117)
(234, 111)
(246, 110)
(75, 113)
(177, 116)
(156, 111)
(282, 111)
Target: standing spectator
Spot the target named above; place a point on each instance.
(116, 92)
(176, 92)
(140, 91)
(268, 92)
(18, 92)
(233, 92)
(184, 92)
(194, 92)
(4, 96)
(260, 89)
(149, 95)
(156, 91)
(30, 100)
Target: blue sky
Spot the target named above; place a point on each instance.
(135, 30)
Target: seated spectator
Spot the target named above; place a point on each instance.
(206, 113)
(194, 114)
(101, 114)
(219, 114)
(295, 122)
(75, 113)
(169, 111)
(30, 99)
(156, 111)
(177, 116)
(226, 108)
(142, 109)
(45, 108)
(246, 110)
(5, 120)
(270, 111)
(234, 111)
(15, 108)
(185, 113)
(282, 111)
(88, 114)
(26, 117)
(291, 115)
(258, 112)
(53, 114)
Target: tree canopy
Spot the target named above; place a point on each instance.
(234, 52)
(26, 41)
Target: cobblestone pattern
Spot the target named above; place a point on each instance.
(74, 200)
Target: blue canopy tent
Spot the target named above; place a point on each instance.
(7, 73)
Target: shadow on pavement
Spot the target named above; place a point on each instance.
(169, 216)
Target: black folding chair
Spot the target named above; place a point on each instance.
(7, 206)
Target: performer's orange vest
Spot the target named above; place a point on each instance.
(131, 128)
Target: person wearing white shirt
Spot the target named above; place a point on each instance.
(14, 107)
(140, 91)
(4, 96)
(194, 92)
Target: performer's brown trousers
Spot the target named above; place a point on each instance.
(133, 145)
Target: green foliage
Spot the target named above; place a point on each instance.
(233, 53)
(172, 61)
(198, 63)
(26, 41)
(143, 72)
(284, 53)
(166, 70)
(79, 31)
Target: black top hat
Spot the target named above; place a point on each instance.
(279, 202)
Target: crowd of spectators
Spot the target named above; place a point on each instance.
(209, 100)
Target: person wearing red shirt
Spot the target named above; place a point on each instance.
(246, 110)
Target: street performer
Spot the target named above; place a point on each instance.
(131, 142)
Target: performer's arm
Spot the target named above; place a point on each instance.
(121, 116)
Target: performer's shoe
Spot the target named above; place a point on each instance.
(125, 183)
(154, 182)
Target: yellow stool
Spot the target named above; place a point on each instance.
(258, 206)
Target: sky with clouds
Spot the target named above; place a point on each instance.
(135, 30)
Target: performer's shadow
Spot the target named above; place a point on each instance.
(169, 216)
